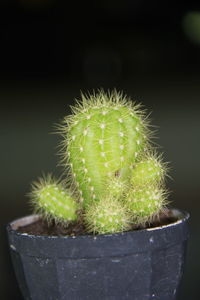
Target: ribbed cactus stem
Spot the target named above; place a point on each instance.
(53, 201)
(102, 139)
(147, 195)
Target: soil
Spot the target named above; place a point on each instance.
(41, 227)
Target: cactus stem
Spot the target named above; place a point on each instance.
(52, 201)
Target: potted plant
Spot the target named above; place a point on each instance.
(105, 232)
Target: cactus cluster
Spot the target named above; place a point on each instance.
(116, 180)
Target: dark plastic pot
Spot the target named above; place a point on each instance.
(139, 265)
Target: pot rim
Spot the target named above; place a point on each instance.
(97, 246)
(181, 215)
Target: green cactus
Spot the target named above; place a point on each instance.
(114, 182)
(144, 202)
(105, 136)
(148, 171)
(147, 196)
(116, 188)
(107, 216)
(53, 201)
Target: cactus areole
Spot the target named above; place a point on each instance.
(104, 231)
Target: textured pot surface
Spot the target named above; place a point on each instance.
(139, 265)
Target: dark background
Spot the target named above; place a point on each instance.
(49, 51)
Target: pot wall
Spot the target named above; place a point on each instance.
(140, 265)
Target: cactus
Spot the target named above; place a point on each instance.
(102, 139)
(116, 188)
(144, 202)
(148, 171)
(52, 201)
(107, 216)
(115, 183)
(147, 196)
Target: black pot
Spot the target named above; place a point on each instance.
(139, 265)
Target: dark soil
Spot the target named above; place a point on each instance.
(41, 227)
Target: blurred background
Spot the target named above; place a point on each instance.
(50, 50)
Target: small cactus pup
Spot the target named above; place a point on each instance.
(103, 138)
(147, 195)
(145, 203)
(52, 201)
(107, 216)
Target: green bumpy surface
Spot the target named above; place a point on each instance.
(105, 136)
(52, 201)
(144, 202)
(107, 216)
(147, 171)
(116, 188)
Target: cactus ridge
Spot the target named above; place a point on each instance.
(51, 200)
(103, 137)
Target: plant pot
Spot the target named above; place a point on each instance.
(140, 265)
